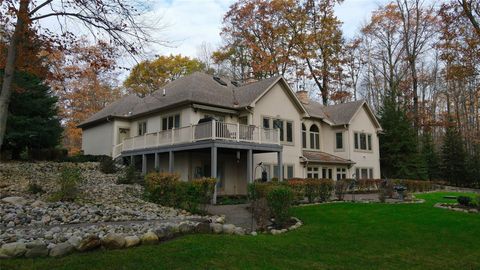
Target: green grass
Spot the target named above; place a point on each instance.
(335, 236)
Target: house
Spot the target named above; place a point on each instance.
(201, 125)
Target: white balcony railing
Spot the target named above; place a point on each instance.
(205, 131)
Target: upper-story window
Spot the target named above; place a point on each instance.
(304, 136)
(314, 137)
(172, 121)
(339, 141)
(363, 141)
(142, 128)
(285, 127)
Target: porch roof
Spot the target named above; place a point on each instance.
(325, 158)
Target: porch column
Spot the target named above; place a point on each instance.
(280, 165)
(213, 172)
(157, 161)
(144, 164)
(171, 165)
(249, 165)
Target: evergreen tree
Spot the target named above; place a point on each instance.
(453, 157)
(430, 156)
(473, 167)
(399, 155)
(32, 116)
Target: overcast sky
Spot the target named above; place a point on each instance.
(191, 22)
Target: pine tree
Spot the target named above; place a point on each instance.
(473, 167)
(399, 155)
(430, 156)
(453, 157)
(32, 120)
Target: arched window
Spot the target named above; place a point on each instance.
(314, 137)
(304, 136)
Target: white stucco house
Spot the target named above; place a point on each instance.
(201, 125)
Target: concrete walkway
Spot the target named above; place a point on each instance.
(237, 214)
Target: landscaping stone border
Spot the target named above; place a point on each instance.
(454, 207)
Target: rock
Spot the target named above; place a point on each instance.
(38, 203)
(149, 238)
(88, 243)
(15, 200)
(185, 228)
(216, 227)
(275, 232)
(35, 250)
(164, 233)
(254, 233)
(239, 231)
(203, 227)
(61, 249)
(16, 249)
(228, 228)
(473, 210)
(220, 220)
(131, 241)
(113, 241)
(74, 241)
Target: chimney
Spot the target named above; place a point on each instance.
(303, 96)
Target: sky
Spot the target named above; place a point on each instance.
(189, 23)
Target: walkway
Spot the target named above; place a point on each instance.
(237, 214)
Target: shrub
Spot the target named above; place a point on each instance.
(312, 187)
(205, 187)
(70, 178)
(259, 190)
(325, 189)
(341, 187)
(279, 200)
(84, 158)
(298, 188)
(107, 165)
(129, 176)
(464, 200)
(161, 188)
(35, 188)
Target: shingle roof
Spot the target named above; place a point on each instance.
(339, 114)
(325, 158)
(119, 108)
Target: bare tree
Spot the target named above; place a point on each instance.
(114, 19)
(471, 8)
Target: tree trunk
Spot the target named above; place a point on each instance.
(22, 16)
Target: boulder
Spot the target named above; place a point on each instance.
(113, 241)
(74, 241)
(203, 227)
(15, 249)
(164, 233)
(254, 233)
(38, 203)
(216, 227)
(88, 243)
(36, 249)
(131, 241)
(15, 200)
(228, 228)
(149, 238)
(61, 249)
(185, 228)
(239, 231)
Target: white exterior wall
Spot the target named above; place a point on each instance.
(98, 140)
(362, 122)
(277, 104)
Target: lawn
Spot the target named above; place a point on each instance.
(335, 236)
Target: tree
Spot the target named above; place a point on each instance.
(399, 155)
(430, 156)
(110, 18)
(32, 118)
(453, 157)
(149, 76)
(473, 166)
(471, 9)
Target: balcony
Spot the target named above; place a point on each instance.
(213, 130)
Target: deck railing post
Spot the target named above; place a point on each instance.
(173, 135)
(238, 132)
(214, 130)
(145, 140)
(278, 136)
(158, 138)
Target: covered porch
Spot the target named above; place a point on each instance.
(231, 162)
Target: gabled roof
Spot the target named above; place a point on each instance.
(325, 158)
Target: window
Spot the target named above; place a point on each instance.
(312, 172)
(327, 173)
(364, 173)
(142, 128)
(285, 127)
(275, 171)
(363, 141)
(172, 121)
(289, 171)
(314, 137)
(339, 140)
(341, 173)
(304, 136)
